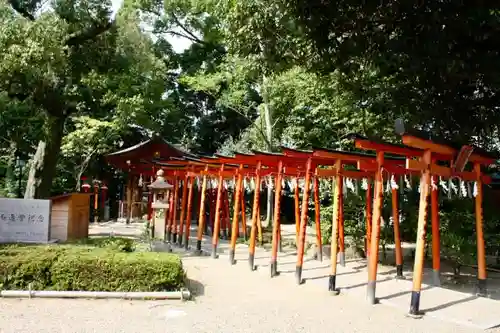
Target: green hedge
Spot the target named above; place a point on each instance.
(83, 267)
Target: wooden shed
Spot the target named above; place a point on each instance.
(70, 216)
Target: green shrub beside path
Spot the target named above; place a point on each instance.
(89, 268)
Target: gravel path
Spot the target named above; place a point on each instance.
(229, 299)
(232, 299)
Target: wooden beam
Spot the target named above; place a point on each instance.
(441, 149)
(387, 148)
(343, 156)
(445, 172)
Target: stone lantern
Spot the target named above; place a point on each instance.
(161, 190)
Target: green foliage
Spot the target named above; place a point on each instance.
(119, 244)
(354, 219)
(433, 60)
(78, 267)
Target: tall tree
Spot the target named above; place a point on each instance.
(75, 59)
(437, 59)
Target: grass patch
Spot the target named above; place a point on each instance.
(96, 264)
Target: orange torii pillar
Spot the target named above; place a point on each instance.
(225, 214)
(368, 215)
(317, 218)
(481, 255)
(188, 216)
(375, 231)
(436, 253)
(255, 218)
(425, 182)
(337, 195)
(216, 230)
(303, 223)
(243, 214)
(276, 221)
(297, 210)
(340, 221)
(183, 209)
(397, 235)
(169, 216)
(173, 222)
(237, 201)
(201, 216)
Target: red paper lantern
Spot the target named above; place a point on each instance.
(85, 186)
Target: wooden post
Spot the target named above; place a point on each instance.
(341, 226)
(237, 201)
(436, 252)
(418, 266)
(225, 210)
(216, 230)
(211, 208)
(368, 214)
(259, 221)
(96, 202)
(129, 197)
(337, 194)
(150, 206)
(303, 224)
(397, 239)
(150, 200)
(174, 218)
(276, 222)
(280, 240)
(481, 257)
(183, 209)
(188, 216)
(201, 216)
(169, 217)
(297, 211)
(375, 231)
(255, 217)
(317, 217)
(243, 214)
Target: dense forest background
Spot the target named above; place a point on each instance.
(78, 81)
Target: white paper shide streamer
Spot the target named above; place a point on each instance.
(433, 184)
(452, 186)
(349, 184)
(463, 189)
(364, 184)
(443, 185)
(408, 183)
(388, 186)
(394, 184)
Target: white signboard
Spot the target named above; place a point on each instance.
(24, 220)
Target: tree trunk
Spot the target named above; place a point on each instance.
(35, 167)
(43, 166)
(82, 169)
(269, 140)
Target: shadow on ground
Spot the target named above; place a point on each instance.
(196, 288)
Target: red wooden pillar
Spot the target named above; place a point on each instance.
(215, 236)
(303, 224)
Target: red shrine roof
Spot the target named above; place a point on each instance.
(130, 158)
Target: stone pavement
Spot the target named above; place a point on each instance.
(446, 305)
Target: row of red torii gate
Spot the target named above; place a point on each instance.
(416, 156)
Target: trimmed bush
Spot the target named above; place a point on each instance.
(114, 243)
(82, 267)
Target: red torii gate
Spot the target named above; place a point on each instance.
(423, 155)
(419, 157)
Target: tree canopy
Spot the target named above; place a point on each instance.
(78, 81)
